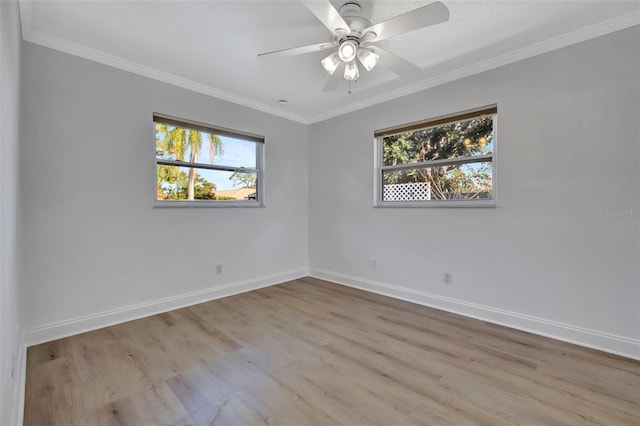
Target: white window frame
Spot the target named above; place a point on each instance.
(221, 131)
(379, 168)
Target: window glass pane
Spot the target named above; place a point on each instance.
(184, 144)
(192, 184)
(452, 182)
(461, 139)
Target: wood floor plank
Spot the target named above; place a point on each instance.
(483, 363)
(160, 406)
(198, 395)
(309, 352)
(118, 413)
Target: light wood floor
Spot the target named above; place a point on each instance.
(308, 352)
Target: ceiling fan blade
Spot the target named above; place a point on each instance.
(301, 50)
(425, 16)
(396, 64)
(328, 15)
(332, 82)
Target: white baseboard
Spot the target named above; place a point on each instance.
(17, 413)
(83, 324)
(594, 339)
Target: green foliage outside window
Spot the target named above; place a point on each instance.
(456, 140)
(243, 180)
(173, 183)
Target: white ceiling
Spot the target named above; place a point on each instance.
(212, 46)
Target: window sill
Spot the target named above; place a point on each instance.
(437, 204)
(206, 204)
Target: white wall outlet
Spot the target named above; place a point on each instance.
(218, 269)
(373, 264)
(447, 278)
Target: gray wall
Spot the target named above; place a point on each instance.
(10, 345)
(549, 258)
(93, 243)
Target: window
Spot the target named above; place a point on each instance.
(447, 161)
(198, 165)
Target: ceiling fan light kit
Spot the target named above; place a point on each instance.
(351, 71)
(367, 58)
(347, 50)
(353, 34)
(331, 62)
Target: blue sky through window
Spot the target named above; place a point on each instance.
(235, 153)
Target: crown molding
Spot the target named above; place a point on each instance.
(46, 40)
(583, 34)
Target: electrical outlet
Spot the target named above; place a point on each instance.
(218, 269)
(373, 264)
(447, 278)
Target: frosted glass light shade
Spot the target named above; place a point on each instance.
(331, 62)
(368, 59)
(351, 71)
(347, 51)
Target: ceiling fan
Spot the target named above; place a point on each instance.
(353, 35)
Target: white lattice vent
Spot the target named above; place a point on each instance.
(414, 191)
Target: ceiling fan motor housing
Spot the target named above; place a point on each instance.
(351, 13)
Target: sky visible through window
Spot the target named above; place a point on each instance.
(235, 152)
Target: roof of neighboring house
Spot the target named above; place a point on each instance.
(238, 194)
